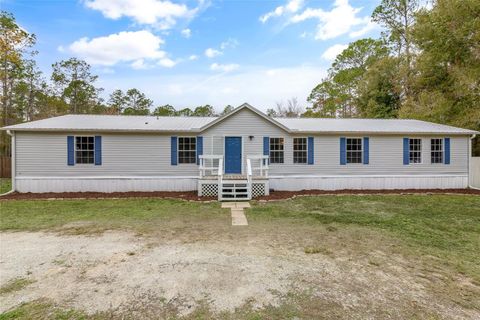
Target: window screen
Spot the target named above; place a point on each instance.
(187, 150)
(299, 150)
(354, 150)
(415, 150)
(436, 148)
(85, 150)
(276, 150)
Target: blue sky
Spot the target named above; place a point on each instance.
(189, 53)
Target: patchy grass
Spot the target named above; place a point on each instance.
(41, 309)
(5, 185)
(95, 216)
(315, 250)
(293, 306)
(15, 285)
(444, 226)
(435, 237)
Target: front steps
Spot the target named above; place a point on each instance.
(234, 190)
(232, 187)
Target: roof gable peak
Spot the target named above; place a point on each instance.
(240, 108)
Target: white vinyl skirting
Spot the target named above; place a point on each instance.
(78, 184)
(369, 182)
(285, 183)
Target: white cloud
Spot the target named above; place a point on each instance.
(369, 26)
(332, 52)
(135, 46)
(193, 57)
(212, 53)
(290, 7)
(224, 67)
(187, 33)
(139, 64)
(220, 89)
(341, 19)
(161, 14)
(231, 43)
(167, 63)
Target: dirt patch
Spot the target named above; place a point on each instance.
(193, 196)
(99, 273)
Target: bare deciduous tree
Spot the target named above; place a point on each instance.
(290, 109)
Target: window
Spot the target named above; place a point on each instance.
(85, 150)
(299, 150)
(276, 150)
(436, 148)
(354, 150)
(415, 154)
(187, 150)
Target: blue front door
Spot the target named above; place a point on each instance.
(233, 155)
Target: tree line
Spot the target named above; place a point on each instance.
(27, 94)
(425, 65)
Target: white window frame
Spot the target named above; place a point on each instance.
(351, 151)
(80, 150)
(410, 151)
(178, 150)
(441, 151)
(276, 151)
(300, 151)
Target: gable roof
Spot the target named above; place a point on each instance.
(112, 123)
(249, 107)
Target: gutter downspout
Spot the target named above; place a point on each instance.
(14, 173)
(470, 154)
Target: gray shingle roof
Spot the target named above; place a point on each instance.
(195, 124)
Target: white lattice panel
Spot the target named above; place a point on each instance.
(210, 190)
(258, 189)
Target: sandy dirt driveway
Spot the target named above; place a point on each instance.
(118, 270)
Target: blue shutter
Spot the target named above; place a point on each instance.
(173, 151)
(343, 151)
(406, 151)
(70, 151)
(98, 150)
(447, 151)
(310, 150)
(366, 150)
(266, 146)
(199, 148)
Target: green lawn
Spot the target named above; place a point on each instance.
(446, 226)
(436, 233)
(5, 185)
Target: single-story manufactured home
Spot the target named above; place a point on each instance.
(239, 155)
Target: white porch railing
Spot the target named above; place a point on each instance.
(210, 165)
(213, 165)
(260, 165)
(249, 178)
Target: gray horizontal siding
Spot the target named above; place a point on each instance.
(386, 152)
(45, 154)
